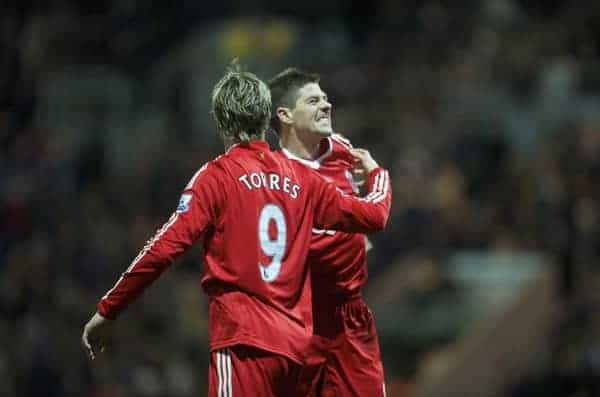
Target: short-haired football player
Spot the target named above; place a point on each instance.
(253, 210)
(338, 265)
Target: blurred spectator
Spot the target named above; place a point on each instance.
(487, 114)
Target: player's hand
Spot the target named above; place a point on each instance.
(363, 163)
(95, 335)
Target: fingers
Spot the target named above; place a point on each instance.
(359, 172)
(363, 160)
(87, 346)
(359, 151)
(95, 335)
(359, 175)
(359, 154)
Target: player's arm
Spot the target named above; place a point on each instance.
(368, 214)
(198, 208)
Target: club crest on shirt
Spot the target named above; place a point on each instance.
(184, 202)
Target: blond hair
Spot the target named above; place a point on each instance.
(241, 105)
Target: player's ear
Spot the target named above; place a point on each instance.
(284, 115)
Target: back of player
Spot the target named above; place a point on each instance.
(253, 210)
(256, 266)
(255, 272)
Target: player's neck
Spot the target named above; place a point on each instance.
(229, 142)
(303, 145)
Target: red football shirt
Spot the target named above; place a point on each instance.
(337, 259)
(254, 210)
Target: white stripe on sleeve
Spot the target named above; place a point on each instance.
(145, 250)
(380, 192)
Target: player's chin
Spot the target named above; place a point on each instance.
(323, 131)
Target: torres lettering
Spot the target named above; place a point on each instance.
(271, 181)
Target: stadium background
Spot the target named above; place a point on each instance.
(486, 112)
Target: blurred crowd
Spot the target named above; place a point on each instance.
(486, 113)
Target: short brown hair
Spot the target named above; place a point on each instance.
(284, 90)
(241, 105)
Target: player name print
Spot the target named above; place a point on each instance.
(271, 181)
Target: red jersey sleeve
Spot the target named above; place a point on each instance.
(198, 208)
(339, 211)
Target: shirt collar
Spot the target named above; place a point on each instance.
(259, 144)
(316, 163)
(256, 144)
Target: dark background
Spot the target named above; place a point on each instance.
(487, 114)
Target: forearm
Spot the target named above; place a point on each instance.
(128, 287)
(160, 251)
(357, 215)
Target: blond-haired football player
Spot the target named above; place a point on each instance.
(253, 210)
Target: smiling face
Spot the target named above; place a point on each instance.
(312, 111)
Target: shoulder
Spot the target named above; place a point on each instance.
(341, 148)
(210, 170)
(340, 141)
